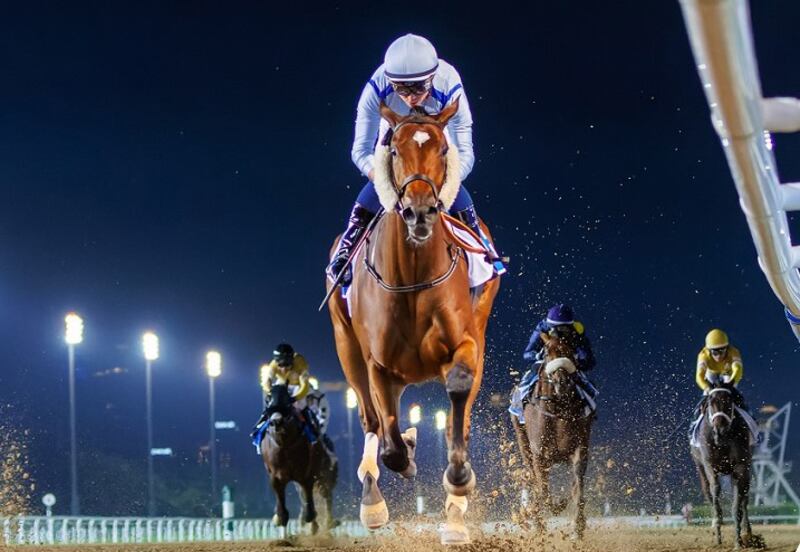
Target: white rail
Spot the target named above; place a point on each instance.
(27, 530)
(721, 39)
(124, 530)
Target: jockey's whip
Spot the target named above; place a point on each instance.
(338, 279)
(680, 424)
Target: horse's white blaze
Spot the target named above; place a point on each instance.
(369, 459)
(420, 137)
(562, 362)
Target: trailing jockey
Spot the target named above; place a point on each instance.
(412, 78)
(290, 368)
(721, 363)
(560, 320)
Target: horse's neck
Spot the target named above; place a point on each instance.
(401, 262)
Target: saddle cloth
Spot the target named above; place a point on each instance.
(479, 269)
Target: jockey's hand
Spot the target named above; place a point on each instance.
(726, 379)
(371, 175)
(705, 391)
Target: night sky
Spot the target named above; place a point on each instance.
(183, 167)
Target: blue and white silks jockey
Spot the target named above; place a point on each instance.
(559, 319)
(411, 77)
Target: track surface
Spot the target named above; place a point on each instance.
(777, 538)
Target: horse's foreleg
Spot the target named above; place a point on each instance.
(374, 513)
(281, 517)
(579, 462)
(462, 384)
(715, 489)
(309, 513)
(741, 489)
(386, 391)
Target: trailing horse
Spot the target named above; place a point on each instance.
(288, 455)
(722, 447)
(412, 317)
(556, 431)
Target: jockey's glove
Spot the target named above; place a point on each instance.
(705, 391)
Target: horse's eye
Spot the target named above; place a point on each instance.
(393, 151)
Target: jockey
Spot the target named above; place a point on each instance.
(411, 77)
(560, 320)
(719, 362)
(289, 368)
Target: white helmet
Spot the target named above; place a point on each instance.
(410, 58)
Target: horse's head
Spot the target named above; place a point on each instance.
(720, 410)
(559, 366)
(415, 170)
(280, 404)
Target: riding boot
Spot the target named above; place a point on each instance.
(469, 217)
(356, 224)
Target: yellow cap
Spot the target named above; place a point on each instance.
(716, 339)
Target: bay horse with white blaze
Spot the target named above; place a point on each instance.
(723, 448)
(412, 317)
(556, 431)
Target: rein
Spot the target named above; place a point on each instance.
(454, 256)
(455, 252)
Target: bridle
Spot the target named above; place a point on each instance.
(408, 180)
(455, 252)
(721, 414)
(544, 377)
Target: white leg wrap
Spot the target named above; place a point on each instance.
(369, 460)
(459, 501)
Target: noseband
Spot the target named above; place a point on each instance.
(720, 414)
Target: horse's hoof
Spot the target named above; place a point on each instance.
(454, 534)
(410, 439)
(460, 488)
(374, 516)
(411, 471)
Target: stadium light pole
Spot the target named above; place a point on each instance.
(150, 348)
(73, 335)
(351, 401)
(214, 370)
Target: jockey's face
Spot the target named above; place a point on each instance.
(719, 353)
(413, 93)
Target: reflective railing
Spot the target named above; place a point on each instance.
(722, 43)
(124, 530)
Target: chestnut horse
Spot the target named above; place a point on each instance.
(556, 431)
(412, 317)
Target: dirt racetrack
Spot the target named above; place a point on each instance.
(783, 538)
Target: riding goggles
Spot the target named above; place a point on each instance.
(416, 88)
(720, 351)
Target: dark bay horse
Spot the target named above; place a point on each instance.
(724, 449)
(412, 317)
(556, 431)
(288, 455)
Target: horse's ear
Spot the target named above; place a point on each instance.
(447, 113)
(390, 116)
